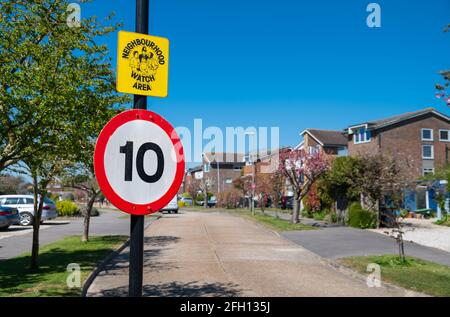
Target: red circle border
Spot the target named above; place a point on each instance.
(99, 163)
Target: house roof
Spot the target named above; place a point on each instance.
(327, 137)
(378, 124)
(223, 157)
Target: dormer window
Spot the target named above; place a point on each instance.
(427, 134)
(362, 135)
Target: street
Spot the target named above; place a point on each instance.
(17, 240)
(217, 254)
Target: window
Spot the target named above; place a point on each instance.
(362, 136)
(29, 201)
(11, 201)
(428, 171)
(444, 135)
(228, 181)
(427, 134)
(427, 152)
(207, 168)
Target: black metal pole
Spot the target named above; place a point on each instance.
(137, 222)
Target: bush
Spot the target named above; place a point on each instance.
(330, 217)
(67, 208)
(94, 211)
(320, 215)
(181, 204)
(361, 218)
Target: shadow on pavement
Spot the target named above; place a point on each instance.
(176, 289)
(153, 248)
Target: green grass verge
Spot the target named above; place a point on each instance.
(271, 222)
(416, 274)
(50, 280)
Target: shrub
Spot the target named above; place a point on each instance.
(67, 208)
(320, 215)
(361, 218)
(330, 217)
(94, 211)
(181, 204)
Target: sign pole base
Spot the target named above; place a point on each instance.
(136, 256)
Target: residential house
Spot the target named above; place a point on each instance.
(329, 141)
(421, 137)
(219, 169)
(419, 140)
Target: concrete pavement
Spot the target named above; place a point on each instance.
(216, 254)
(110, 222)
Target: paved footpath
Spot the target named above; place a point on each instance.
(217, 254)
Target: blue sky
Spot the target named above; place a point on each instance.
(293, 64)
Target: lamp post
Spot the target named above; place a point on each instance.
(252, 203)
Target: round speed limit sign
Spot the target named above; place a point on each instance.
(139, 162)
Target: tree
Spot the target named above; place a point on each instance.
(302, 170)
(13, 184)
(81, 176)
(57, 86)
(48, 69)
(263, 188)
(446, 76)
(340, 183)
(244, 185)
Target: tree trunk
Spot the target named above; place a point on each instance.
(87, 218)
(295, 212)
(262, 202)
(34, 265)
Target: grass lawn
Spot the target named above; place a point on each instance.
(17, 280)
(271, 222)
(417, 275)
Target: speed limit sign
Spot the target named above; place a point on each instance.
(139, 162)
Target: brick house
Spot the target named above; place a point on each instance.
(422, 137)
(220, 170)
(329, 141)
(419, 139)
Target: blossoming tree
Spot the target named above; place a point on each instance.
(302, 169)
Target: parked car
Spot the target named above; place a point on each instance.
(212, 202)
(187, 201)
(287, 202)
(25, 205)
(172, 206)
(8, 216)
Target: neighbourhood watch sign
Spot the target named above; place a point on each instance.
(142, 64)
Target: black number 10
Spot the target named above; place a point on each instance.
(127, 149)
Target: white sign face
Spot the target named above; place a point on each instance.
(140, 162)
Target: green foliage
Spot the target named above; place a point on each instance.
(340, 179)
(57, 85)
(186, 195)
(361, 218)
(67, 208)
(199, 196)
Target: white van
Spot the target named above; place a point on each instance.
(172, 206)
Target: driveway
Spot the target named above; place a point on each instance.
(339, 242)
(17, 240)
(217, 254)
